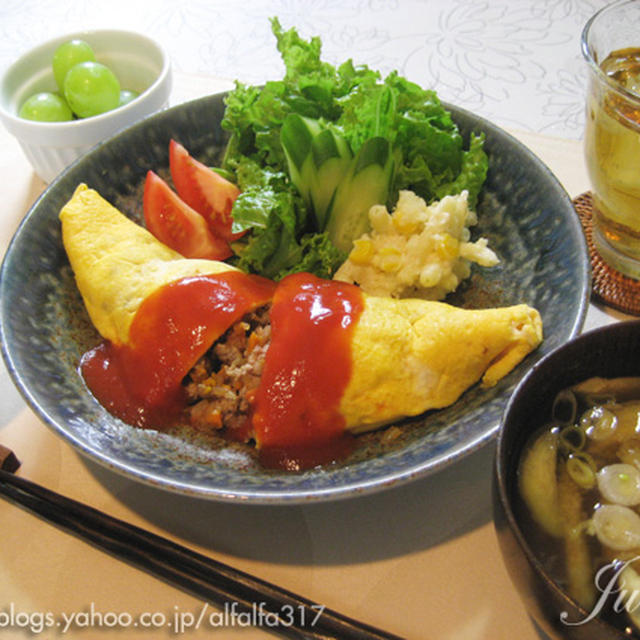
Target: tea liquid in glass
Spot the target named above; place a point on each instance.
(612, 144)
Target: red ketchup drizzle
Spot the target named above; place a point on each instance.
(141, 382)
(296, 419)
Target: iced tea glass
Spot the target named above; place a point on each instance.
(611, 47)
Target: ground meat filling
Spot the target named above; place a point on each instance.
(222, 384)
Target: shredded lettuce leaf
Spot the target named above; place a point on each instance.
(359, 105)
(279, 243)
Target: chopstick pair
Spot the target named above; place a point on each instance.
(288, 614)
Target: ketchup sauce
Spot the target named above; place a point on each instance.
(296, 419)
(141, 382)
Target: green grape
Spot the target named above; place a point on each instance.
(126, 96)
(45, 107)
(91, 88)
(68, 55)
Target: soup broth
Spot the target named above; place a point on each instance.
(579, 485)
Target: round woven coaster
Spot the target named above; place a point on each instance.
(610, 286)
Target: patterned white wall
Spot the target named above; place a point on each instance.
(516, 62)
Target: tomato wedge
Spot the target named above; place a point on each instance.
(204, 190)
(176, 224)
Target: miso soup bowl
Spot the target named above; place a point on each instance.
(610, 351)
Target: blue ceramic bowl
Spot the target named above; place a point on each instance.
(525, 213)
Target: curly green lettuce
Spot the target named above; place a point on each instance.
(357, 104)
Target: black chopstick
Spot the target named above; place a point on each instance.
(272, 608)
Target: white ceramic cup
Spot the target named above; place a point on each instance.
(139, 63)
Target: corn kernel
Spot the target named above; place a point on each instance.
(389, 264)
(380, 219)
(362, 251)
(450, 282)
(403, 223)
(389, 259)
(430, 275)
(447, 247)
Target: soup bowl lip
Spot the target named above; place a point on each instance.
(504, 469)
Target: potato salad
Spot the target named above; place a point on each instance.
(417, 250)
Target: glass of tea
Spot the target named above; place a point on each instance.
(611, 47)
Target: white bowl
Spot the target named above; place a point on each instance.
(140, 64)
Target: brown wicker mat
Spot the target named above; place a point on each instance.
(609, 286)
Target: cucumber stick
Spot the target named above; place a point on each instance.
(296, 136)
(317, 158)
(338, 187)
(367, 183)
(331, 160)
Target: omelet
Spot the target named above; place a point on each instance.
(408, 355)
(117, 263)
